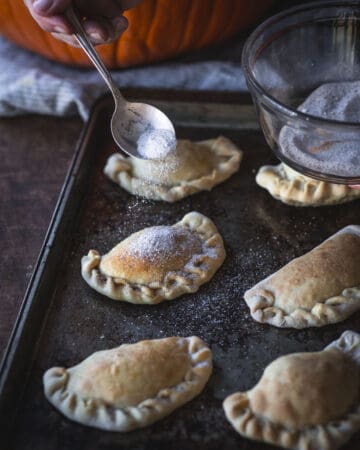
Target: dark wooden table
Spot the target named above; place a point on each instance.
(35, 152)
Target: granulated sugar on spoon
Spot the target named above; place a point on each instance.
(140, 130)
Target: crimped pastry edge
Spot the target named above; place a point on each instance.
(200, 269)
(331, 436)
(331, 310)
(98, 414)
(119, 169)
(302, 191)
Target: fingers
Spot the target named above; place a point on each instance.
(118, 26)
(108, 8)
(49, 8)
(88, 8)
(357, 187)
(103, 31)
(53, 23)
(104, 22)
(99, 32)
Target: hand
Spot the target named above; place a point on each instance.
(104, 20)
(357, 187)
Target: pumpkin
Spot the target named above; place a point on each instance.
(158, 29)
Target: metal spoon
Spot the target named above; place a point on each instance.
(131, 122)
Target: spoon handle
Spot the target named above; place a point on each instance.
(89, 49)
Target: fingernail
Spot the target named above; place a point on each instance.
(42, 5)
(96, 37)
(58, 29)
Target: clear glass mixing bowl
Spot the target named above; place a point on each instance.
(284, 60)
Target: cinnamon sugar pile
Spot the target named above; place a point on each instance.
(337, 152)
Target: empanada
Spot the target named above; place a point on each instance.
(303, 401)
(131, 386)
(193, 167)
(316, 289)
(157, 263)
(293, 188)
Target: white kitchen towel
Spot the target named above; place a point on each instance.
(32, 84)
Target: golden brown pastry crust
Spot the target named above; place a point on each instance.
(316, 289)
(196, 166)
(305, 400)
(135, 260)
(195, 253)
(293, 188)
(131, 386)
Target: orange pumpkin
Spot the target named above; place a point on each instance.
(158, 29)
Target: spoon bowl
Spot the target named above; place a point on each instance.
(133, 126)
(140, 130)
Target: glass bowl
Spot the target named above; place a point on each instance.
(284, 60)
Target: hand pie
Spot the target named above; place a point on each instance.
(130, 386)
(303, 401)
(293, 188)
(157, 263)
(193, 167)
(316, 289)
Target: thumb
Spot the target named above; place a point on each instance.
(50, 7)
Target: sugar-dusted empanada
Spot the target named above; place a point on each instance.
(316, 289)
(131, 386)
(293, 188)
(193, 167)
(157, 263)
(303, 401)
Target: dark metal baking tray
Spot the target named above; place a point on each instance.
(62, 320)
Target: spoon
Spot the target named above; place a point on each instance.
(140, 130)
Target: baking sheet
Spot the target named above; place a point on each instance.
(63, 320)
